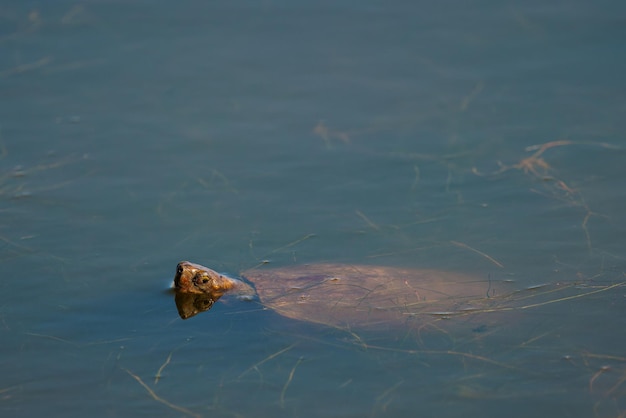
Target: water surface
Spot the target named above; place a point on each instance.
(137, 134)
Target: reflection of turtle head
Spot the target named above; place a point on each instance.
(194, 278)
(191, 304)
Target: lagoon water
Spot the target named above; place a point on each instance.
(481, 137)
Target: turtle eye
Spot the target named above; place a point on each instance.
(205, 280)
(180, 269)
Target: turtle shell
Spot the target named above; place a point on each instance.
(347, 296)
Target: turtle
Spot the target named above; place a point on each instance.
(344, 296)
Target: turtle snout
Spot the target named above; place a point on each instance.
(182, 281)
(186, 281)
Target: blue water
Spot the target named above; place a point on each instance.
(137, 134)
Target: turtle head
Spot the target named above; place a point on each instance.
(194, 278)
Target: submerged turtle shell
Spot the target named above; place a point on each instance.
(347, 296)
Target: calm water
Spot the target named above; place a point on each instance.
(137, 134)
